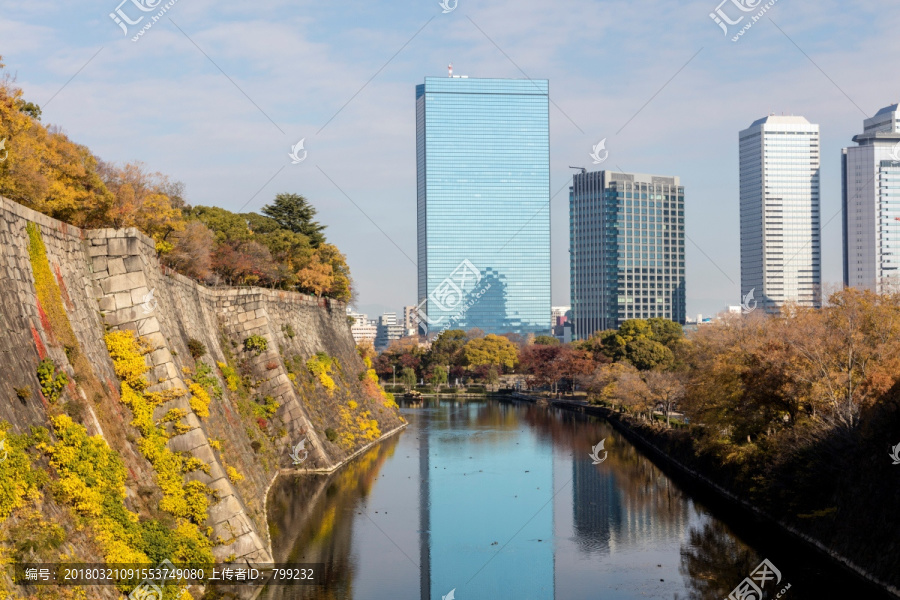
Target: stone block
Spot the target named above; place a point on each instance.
(138, 294)
(107, 303)
(204, 452)
(126, 315)
(117, 246)
(99, 263)
(97, 251)
(171, 371)
(156, 340)
(187, 441)
(255, 323)
(223, 486)
(160, 357)
(133, 264)
(123, 283)
(116, 266)
(224, 509)
(148, 326)
(123, 300)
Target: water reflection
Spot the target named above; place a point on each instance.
(497, 500)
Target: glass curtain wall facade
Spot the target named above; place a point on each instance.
(483, 175)
(779, 190)
(626, 249)
(871, 204)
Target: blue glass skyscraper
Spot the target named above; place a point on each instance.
(483, 166)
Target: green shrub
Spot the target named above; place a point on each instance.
(288, 330)
(53, 381)
(23, 393)
(205, 378)
(196, 348)
(256, 344)
(331, 435)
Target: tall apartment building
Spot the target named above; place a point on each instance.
(483, 175)
(626, 249)
(871, 204)
(779, 190)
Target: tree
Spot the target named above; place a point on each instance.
(572, 363)
(192, 251)
(492, 377)
(546, 340)
(316, 277)
(139, 200)
(446, 349)
(634, 393)
(244, 263)
(294, 213)
(646, 354)
(666, 388)
(603, 383)
(438, 376)
(43, 169)
(666, 332)
(491, 350)
(539, 363)
(408, 377)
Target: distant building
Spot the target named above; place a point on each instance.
(779, 189)
(561, 323)
(626, 249)
(410, 319)
(871, 204)
(388, 330)
(362, 328)
(483, 176)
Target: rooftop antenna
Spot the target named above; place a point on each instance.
(450, 70)
(583, 170)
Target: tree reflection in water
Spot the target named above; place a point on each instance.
(306, 529)
(713, 561)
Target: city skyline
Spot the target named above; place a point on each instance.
(674, 112)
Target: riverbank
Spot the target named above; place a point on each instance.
(668, 451)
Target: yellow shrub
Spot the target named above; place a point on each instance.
(232, 380)
(233, 474)
(127, 353)
(92, 480)
(199, 400)
(18, 480)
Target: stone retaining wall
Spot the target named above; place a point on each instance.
(112, 280)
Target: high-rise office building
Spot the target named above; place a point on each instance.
(483, 173)
(871, 204)
(779, 187)
(626, 249)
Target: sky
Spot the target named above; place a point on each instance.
(216, 94)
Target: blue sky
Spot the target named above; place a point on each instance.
(285, 69)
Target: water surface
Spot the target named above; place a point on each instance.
(497, 500)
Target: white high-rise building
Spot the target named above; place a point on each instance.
(780, 243)
(871, 204)
(362, 328)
